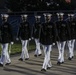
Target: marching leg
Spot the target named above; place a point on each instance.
(61, 52)
(1, 58)
(44, 67)
(62, 48)
(70, 49)
(22, 57)
(5, 55)
(73, 42)
(47, 64)
(26, 51)
(24, 54)
(38, 50)
(59, 49)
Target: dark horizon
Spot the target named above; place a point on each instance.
(2, 4)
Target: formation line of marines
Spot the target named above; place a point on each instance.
(45, 34)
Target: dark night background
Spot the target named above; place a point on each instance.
(36, 5)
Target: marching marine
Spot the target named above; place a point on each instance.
(6, 39)
(72, 25)
(36, 32)
(24, 35)
(47, 38)
(63, 33)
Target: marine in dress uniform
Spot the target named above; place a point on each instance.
(24, 35)
(36, 34)
(72, 25)
(6, 38)
(47, 39)
(62, 36)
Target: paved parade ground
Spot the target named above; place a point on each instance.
(34, 64)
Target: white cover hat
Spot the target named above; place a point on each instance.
(72, 15)
(57, 14)
(60, 14)
(5, 15)
(69, 14)
(37, 16)
(24, 15)
(49, 15)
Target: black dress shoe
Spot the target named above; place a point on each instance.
(39, 54)
(1, 65)
(35, 55)
(43, 70)
(70, 58)
(26, 58)
(48, 68)
(8, 63)
(59, 63)
(20, 59)
(62, 62)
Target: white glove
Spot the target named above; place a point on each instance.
(53, 43)
(29, 39)
(17, 39)
(12, 43)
